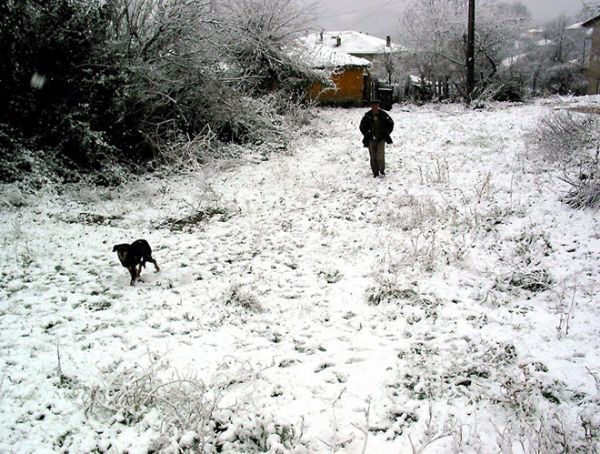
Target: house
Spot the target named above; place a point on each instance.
(382, 53)
(592, 70)
(363, 48)
(355, 43)
(349, 74)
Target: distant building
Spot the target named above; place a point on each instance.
(592, 68)
(358, 44)
(349, 74)
(353, 76)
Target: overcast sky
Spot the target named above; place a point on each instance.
(380, 17)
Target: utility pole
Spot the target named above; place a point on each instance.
(471, 51)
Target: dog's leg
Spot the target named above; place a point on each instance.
(133, 273)
(156, 268)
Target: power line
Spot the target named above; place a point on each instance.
(377, 8)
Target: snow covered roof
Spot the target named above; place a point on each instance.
(590, 22)
(508, 62)
(580, 25)
(355, 43)
(575, 26)
(317, 55)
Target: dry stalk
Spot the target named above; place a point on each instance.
(431, 435)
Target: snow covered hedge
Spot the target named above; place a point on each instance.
(93, 83)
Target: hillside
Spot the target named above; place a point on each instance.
(305, 307)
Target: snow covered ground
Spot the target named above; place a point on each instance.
(303, 306)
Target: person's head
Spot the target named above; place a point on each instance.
(375, 105)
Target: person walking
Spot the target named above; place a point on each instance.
(376, 127)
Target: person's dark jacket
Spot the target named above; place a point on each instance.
(377, 131)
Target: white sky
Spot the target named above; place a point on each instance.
(380, 16)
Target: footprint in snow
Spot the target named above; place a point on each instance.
(321, 367)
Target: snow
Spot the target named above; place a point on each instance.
(352, 42)
(508, 62)
(319, 56)
(575, 26)
(322, 310)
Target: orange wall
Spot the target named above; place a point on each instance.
(349, 83)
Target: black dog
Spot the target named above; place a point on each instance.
(135, 255)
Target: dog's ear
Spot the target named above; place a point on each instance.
(115, 248)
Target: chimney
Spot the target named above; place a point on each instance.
(338, 41)
(388, 41)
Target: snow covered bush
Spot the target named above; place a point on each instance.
(584, 194)
(196, 217)
(259, 433)
(239, 297)
(542, 423)
(13, 197)
(171, 403)
(563, 79)
(527, 406)
(102, 84)
(508, 91)
(387, 290)
(180, 413)
(561, 135)
(570, 140)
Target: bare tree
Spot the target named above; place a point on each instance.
(435, 31)
(430, 30)
(200, 63)
(259, 35)
(590, 8)
(550, 62)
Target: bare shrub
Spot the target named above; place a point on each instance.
(201, 206)
(184, 402)
(540, 423)
(434, 430)
(387, 290)
(244, 299)
(189, 153)
(510, 91)
(563, 79)
(571, 140)
(408, 212)
(259, 433)
(531, 410)
(530, 280)
(424, 249)
(13, 197)
(196, 217)
(584, 193)
(137, 82)
(561, 135)
(437, 173)
(187, 413)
